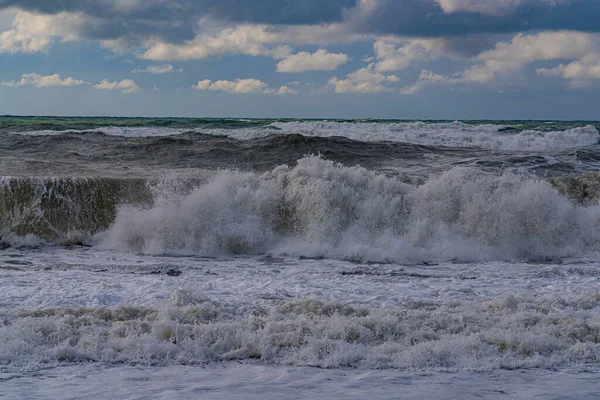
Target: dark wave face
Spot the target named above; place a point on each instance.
(363, 190)
(56, 208)
(146, 147)
(34, 124)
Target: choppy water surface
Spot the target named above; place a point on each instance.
(465, 248)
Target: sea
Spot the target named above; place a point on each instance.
(173, 258)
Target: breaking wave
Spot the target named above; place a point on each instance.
(323, 209)
(318, 208)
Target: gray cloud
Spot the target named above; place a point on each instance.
(426, 18)
(177, 20)
(259, 11)
(256, 11)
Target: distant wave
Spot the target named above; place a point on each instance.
(132, 132)
(454, 134)
(448, 134)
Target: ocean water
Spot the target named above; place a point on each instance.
(215, 258)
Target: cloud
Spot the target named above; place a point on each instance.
(392, 58)
(523, 50)
(243, 39)
(425, 78)
(32, 33)
(213, 40)
(128, 24)
(396, 53)
(157, 69)
(40, 81)
(241, 86)
(405, 32)
(237, 86)
(260, 11)
(283, 90)
(364, 80)
(577, 72)
(334, 33)
(509, 57)
(489, 7)
(176, 21)
(321, 60)
(7, 17)
(126, 86)
(444, 18)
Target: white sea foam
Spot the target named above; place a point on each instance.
(323, 209)
(511, 331)
(136, 132)
(84, 309)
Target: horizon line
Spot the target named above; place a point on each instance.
(294, 118)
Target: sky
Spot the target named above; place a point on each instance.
(400, 59)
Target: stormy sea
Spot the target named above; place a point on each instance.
(236, 259)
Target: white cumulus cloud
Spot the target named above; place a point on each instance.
(509, 57)
(364, 80)
(574, 70)
(392, 58)
(40, 81)
(577, 72)
(243, 39)
(286, 90)
(252, 40)
(126, 86)
(320, 60)
(33, 33)
(240, 86)
(523, 50)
